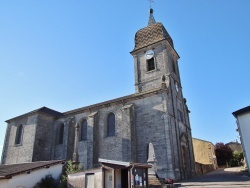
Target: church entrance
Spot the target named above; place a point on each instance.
(120, 174)
(184, 159)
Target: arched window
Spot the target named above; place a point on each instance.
(19, 132)
(111, 125)
(151, 64)
(83, 130)
(60, 133)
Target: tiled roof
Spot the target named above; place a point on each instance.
(7, 171)
(151, 34)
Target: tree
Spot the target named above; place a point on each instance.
(236, 160)
(68, 168)
(223, 153)
(47, 182)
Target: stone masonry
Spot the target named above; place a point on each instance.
(156, 113)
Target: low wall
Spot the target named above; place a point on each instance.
(76, 180)
(87, 179)
(203, 168)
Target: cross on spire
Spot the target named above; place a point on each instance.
(150, 3)
(151, 19)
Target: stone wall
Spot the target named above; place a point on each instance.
(86, 179)
(148, 80)
(76, 180)
(6, 144)
(204, 152)
(23, 152)
(203, 168)
(98, 144)
(140, 119)
(44, 138)
(65, 150)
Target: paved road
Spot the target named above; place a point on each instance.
(221, 178)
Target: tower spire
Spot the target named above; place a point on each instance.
(151, 20)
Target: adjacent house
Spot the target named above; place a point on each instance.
(204, 154)
(113, 174)
(243, 122)
(26, 175)
(235, 146)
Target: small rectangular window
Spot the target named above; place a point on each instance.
(150, 64)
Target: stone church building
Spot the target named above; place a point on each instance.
(122, 128)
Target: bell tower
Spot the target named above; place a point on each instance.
(156, 66)
(155, 58)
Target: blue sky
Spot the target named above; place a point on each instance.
(68, 54)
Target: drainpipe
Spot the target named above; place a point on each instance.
(131, 175)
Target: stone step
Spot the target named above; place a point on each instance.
(154, 182)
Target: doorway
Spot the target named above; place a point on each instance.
(124, 178)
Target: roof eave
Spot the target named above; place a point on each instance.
(10, 175)
(33, 112)
(132, 52)
(117, 100)
(241, 111)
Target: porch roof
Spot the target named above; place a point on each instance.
(122, 164)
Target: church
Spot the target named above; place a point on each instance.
(120, 129)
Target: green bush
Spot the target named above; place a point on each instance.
(47, 182)
(236, 160)
(68, 169)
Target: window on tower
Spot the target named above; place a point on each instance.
(111, 125)
(19, 133)
(173, 66)
(60, 133)
(151, 64)
(83, 130)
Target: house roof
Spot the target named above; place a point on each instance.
(42, 109)
(241, 111)
(235, 146)
(8, 171)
